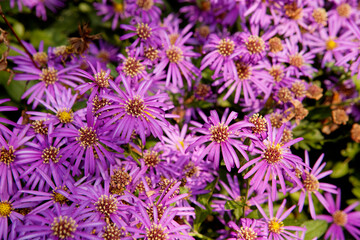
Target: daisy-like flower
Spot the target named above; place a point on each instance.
(311, 184)
(39, 56)
(136, 111)
(275, 156)
(220, 57)
(148, 35)
(92, 140)
(177, 57)
(248, 229)
(223, 138)
(50, 78)
(61, 105)
(10, 145)
(61, 223)
(147, 10)
(112, 9)
(9, 207)
(43, 154)
(299, 61)
(41, 6)
(275, 222)
(99, 80)
(340, 219)
(252, 82)
(103, 52)
(157, 223)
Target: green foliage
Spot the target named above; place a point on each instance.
(314, 228)
(311, 134)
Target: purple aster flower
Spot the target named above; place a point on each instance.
(41, 6)
(177, 57)
(157, 223)
(62, 223)
(330, 42)
(136, 111)
(145, 9)
(61, 105)
(112, 9)
(39, 56)
(275, 222)
(259, 14)
(221, 57)
(50, 78)
(132, 68)
(44, 154)
(248, 229)
(10, 206)
(340, 219)
(223, 137)
(10, 145)
(89, 143)
(343, 12)
(250, 80)
(299, 61)
(148, 35)
(275, 156)
(175, 141)
(311, 184)
(99, 80)
(103, 52)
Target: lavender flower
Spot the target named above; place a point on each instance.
(222, 138)
(339, 219)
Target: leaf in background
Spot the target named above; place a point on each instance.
(314, 228)
(340, 169)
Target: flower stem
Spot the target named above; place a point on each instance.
(17, 37)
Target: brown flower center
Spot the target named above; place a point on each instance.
(243, 70)
(226, 47)
(64, 227)
(296, 60)
(311, 183)
(119, 181)
(275, 45)
(219, 133)
(277, 73)
(145, 4)
(292, 11)
(151, 158)
(156, 232)
(39, 127)
(284, 95)
(160, 211)
(104, 56)
(51, 153)
(299, 89)
(340, 218)
(246, 233)
(112, 232)
(260, 123)
(273, 153)
(101, 79)
(255, 44)
(7, 156)
(58, 197)
(49, 76)
(320, 16)
(41, 58)
(135, 107)
(106, 204)
(151, 53)
(143, 31)
(174, 54)
(132, 67)
(87, 137)
(344, 10)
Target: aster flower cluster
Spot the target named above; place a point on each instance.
(186, 126)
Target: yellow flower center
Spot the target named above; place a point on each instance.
(340, 218)
(330, 44)
(275, 225)
(65, 115)
(311, 183)
(226, 47)
(5, 209)
(174, 54)
(273, 153)
(219, 133)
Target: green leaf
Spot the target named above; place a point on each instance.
(231, 204)
(112, 67)
(315, 228)
(340, 169)
(352, 149)
(356, 192)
